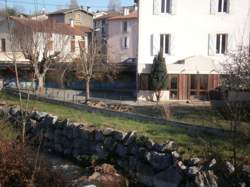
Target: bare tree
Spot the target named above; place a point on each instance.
(114, 5)
(41, 44)
(90, 65)
(236, 82)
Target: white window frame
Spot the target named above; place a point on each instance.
(220, 50)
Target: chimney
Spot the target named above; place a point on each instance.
(135, 7)
(125, 11)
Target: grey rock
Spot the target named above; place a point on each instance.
(121, 150)
(168, 178)
(181, 165)
(159, 161)
(206, 178)
(149, 144)
(133, 149)
(193, 170)
(194, 161)
(58, 148)
(14, 111)
(68, 132)
(130, 138)
(100, 152)
(124, 164)
(38, 115)
(144, 174)
(108, 131)
(175, 155)
(169, 147)
(132, 164)
(230, 167)
(212, 163)
(76, 132)
(99, 137)
(118, 135)
(67, 152)
(109, 144)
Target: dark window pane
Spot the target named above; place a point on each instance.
(174, 83)
(224, 43)
(193, 82)
(218, 43)
(167, 42)
(220, 6)
(168, 6)
(203, 82)
(225, 7)
(162, 6)
(3, 42)
(161, 42)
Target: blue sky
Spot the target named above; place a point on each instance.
(50, 5)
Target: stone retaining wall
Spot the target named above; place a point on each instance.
(150, 163)
(137, 117)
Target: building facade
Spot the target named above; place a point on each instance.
(195, 37)
(122, 40)
(75, 16)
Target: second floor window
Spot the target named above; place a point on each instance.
(165, 43)
(72, 45)
(221, 43)
(125, 43)
(223, 6)
(125, 26)
(3, 45)
(166, 6)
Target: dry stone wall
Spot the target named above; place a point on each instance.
(149, 163)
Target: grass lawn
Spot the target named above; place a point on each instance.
(189, 144)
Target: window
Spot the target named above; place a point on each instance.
(103, 28)
(221, 43)
(125, 26)
(82, 44)
(125, 43)
(78, 17)
(173, 86)
(166, 6)
(3, 45)
(72, 45)
(223, 6)
(165, 43)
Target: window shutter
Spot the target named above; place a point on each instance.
(127, 42)
(211, 44)
(157, 7)
(213, 6)
(155, 44)
(174, 6)
(229, 7)
(172, 44)
(122, 43)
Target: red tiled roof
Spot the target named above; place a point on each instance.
(52, 26)
(131, 15)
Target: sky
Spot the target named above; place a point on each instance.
(29, 6)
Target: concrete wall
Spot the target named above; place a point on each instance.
(190, 26)
(116, 53)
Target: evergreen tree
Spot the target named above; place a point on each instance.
(158, 76)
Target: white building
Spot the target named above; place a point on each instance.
(195, 35)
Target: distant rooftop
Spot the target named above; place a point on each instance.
(68, 10)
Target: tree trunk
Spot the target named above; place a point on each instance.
(40, 86)
(87, 90)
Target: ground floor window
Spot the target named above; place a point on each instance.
(198, 86)
(144, 81)
(173, 86)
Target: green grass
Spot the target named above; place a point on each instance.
(7, 132)
(188, 143)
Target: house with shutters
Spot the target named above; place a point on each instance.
(195, 37)
(122, 37)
